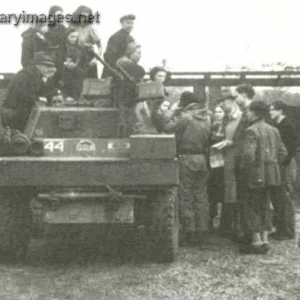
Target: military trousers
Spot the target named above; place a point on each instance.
(192, 192)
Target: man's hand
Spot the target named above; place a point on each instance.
(93, 62)
(43, 100)
(71, 65)
(222, 145)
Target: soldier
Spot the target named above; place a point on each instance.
(192, 130)
(261, 155)
(125, 92)
(27, 87)
(118, 43)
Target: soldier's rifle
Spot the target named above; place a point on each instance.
(122, 76)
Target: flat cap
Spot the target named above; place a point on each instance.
(41, 58)
(127, 17)
(259, 107)
(187, 98)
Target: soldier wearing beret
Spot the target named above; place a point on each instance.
(192, 130)
(118, 43)
(28, 86)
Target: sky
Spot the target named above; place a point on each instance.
(193, 35)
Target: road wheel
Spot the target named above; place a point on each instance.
(163, 229)
(15, 225)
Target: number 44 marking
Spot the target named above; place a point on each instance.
(54, 145)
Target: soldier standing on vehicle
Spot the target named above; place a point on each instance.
(118, 43)
(28, 87)
(192, 130)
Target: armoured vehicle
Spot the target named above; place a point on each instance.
(79, 170)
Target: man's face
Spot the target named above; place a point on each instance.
(46, 71)
(274, 113)
(241, 100)
(136, 55)
(228, 106)
(127, 25)
(251, 116)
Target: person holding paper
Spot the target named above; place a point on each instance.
(216, 182)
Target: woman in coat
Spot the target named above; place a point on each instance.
(216, 182)
(71, 65)
(230, 223)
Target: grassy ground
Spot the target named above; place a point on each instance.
(212, 271)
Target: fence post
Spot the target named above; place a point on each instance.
(214, 93)
(199, 91)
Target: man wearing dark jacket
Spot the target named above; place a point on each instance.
(28, 87)
(118, 43)
(34, 40)
(192, 131)
(284, 206)
(262, 154)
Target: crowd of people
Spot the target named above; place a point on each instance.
(241, 156)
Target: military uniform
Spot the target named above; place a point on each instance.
(115, 49)
(125, 94)
(192, 130)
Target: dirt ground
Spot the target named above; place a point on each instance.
(212, 271)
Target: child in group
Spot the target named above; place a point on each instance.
(71, 65)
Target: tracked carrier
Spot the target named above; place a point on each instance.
(79, 170)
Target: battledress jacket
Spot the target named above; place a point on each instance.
(192, 130)
(262, 154)
(115, 49)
